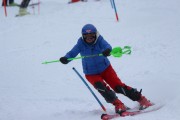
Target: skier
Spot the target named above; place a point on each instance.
(23, 8)
(99, 72)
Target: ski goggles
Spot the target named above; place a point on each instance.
(89, 36)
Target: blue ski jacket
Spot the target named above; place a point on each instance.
(91, 65)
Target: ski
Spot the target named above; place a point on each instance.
(130, 113)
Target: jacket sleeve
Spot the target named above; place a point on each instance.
(104, 44)
(73, 52)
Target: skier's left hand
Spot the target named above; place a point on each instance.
(106, 52)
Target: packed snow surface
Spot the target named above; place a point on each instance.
(30, 90)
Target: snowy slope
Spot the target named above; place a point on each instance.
(32, 91)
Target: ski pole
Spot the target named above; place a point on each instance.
(117, 18)
(76, 58)
(90, 89)
(116, 52)
(111, 4)
(39, 7)
(5, 11)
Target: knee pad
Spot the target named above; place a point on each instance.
(108, 94)
(132, 93)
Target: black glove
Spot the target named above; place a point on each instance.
(106, 52)
(64, 60)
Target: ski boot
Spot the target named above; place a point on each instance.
(144, 103)
(119, 106)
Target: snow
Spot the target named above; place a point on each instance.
(30, 90)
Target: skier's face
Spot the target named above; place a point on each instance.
(89, 38)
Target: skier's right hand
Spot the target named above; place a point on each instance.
(64, 60)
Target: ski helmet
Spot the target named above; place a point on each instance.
(89, 28)
(89, 31)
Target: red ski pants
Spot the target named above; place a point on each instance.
(108, 76)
